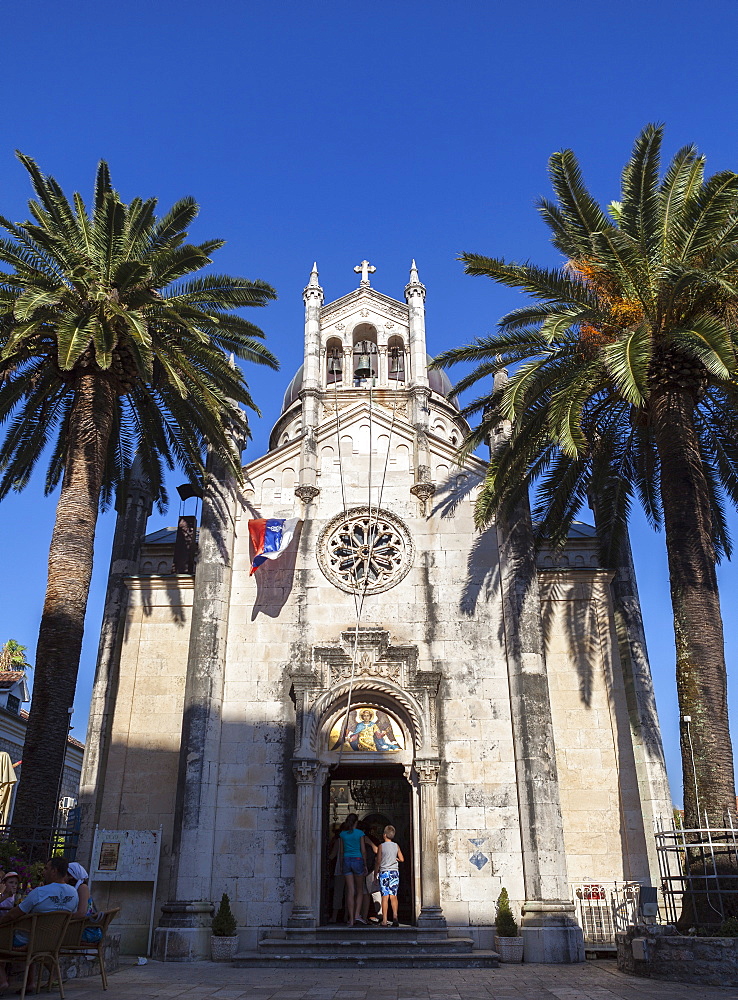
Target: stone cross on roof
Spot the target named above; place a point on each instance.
(366, 269)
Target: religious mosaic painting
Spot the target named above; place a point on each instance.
(368, 730)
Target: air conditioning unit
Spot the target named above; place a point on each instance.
(67, 802)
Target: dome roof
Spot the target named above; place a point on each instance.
(440, 382)
(437, 379)
(293, 389)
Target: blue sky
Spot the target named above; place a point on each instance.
(333, 132)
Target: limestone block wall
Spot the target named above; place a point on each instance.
(448, 605)
(139, 789)
(603, 819)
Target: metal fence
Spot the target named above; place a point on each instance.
(37, 843)
(699, 871)
(603, 908)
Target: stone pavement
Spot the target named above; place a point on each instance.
(206, 981)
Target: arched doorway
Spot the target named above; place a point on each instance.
(380, 795)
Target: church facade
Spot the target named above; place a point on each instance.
(493, 703)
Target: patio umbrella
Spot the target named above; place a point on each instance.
(7, 780)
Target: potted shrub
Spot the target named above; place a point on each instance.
(507, 942)
(224, 939)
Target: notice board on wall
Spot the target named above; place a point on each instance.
(127, 856)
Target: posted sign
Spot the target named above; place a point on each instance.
(127, 856)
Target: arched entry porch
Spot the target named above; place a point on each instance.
(366, 719)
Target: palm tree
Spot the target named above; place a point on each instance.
(625, 389)
(111, 345)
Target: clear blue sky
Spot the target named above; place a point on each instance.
(337, 131)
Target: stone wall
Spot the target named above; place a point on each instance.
(603, 819)
(84, 966)
(656, 952)
(448, 606)
(140, 783)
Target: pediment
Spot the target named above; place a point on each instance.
(364, 304)
(355, 414)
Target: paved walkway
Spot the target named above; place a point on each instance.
(203, 981)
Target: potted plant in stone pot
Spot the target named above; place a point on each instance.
(224, 939)
(508, 943)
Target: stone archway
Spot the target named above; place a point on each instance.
(382, 675)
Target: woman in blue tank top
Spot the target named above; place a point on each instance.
(353, 845)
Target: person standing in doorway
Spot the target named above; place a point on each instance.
(353, 843)
(388, 856)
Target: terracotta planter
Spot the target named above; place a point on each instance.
(222, 949)
(510, 949)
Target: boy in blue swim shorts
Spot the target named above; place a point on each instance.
(385, 867)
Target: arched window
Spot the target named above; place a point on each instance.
(396, 359)
(334, 361)
(365, 353)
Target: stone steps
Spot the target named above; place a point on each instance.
(392, 947)
(380, 958)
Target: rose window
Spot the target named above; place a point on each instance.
(365, 551)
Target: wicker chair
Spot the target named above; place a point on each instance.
(74, 945)
(45, 932)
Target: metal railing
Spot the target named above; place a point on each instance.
(37, 843)
(603, 908)
(699, 871)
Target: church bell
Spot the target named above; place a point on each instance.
(364, 367)
(334, 365)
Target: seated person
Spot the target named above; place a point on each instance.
(50, 897)
(9, 891)
(78, 878)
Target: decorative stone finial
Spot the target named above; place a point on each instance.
(501, 378)
(414, 285)
(365, 269)
(313, 290)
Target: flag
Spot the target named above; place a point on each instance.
(270, 536)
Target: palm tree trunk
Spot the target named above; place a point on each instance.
(62, 622)
(707, 753)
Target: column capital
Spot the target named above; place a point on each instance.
(428, 771)
(305, 771)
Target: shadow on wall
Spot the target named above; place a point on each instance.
(482, 573)
(453, 492)
(253, 847)
(577, 622)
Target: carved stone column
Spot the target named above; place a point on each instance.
(382, 351)
(348, 367)
(306, 774)
(431, 914)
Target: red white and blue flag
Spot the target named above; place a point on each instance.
(270, 536)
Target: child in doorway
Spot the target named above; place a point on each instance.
(388, 856)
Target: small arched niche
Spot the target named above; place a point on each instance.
(333, 361)
(365, 357)
(396, 359)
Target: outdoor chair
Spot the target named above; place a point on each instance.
(45, 932)
(74, 945)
